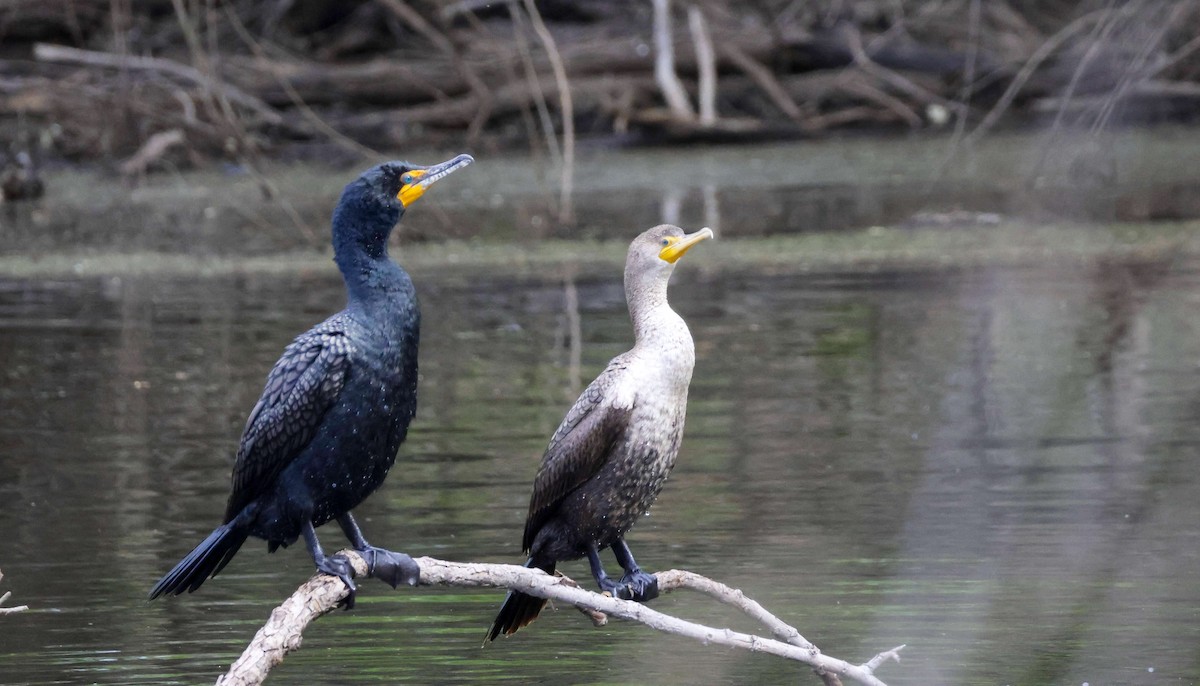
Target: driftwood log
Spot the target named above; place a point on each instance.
(322, 594)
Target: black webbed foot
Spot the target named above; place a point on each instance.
(391, 567)
(614, 588)
(340, 567)
(640, 586)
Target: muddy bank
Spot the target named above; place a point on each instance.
(760, 191)
(950, 248)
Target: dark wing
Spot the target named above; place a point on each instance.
(578, 449)
(304, 384)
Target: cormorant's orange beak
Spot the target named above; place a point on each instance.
(417, 181)
(678, 245)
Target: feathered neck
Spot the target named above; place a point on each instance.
(652, 316)
(360, 235)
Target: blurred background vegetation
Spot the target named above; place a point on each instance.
(138, 85)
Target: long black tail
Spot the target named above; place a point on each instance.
(519, 609)
(203, 562)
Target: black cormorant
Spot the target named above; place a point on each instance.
(608, 459)
(338, 402)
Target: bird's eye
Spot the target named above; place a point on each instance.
(666, 241)
(406, 179)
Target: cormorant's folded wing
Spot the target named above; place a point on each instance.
(577, 451)
(303, 385)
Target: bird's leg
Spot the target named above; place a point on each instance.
(391, 567)
(336, 566)
(607, 585)
(642, 586)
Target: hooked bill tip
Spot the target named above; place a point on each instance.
(445, 169)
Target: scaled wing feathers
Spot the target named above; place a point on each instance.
(578, 450)
(303, 385)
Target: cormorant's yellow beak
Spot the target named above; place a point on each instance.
(678, 245)
(417, 181)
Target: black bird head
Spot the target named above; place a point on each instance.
(373, 203)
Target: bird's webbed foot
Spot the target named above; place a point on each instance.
(640, 586)
(615, 589)
(341, 568)
(636, 585)
(391, 567)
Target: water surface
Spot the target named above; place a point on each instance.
(992, 461)
(994, 466)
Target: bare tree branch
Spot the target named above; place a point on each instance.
(1035, 60)
(418, 23)
(764, 78)
(706, 62)
(4, 599)
(321, 594)
(664, 64)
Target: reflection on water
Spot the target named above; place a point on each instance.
(996, 468)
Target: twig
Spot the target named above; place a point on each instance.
(151, 151)
(418, 23)
(345, 142)
(864, 89)
(1134, 71)
(247, 147)
(535, 87)
(566, 210)
(765, 80)
(321, 594)
(864, 62)
(1175, 58)
(1035, 60)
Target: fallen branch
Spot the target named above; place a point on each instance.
(892, 78)
(321, 594)
(151, 151)
(62, 53)
(764, 78)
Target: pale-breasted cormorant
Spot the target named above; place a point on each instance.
(608, 459)
(338, 402)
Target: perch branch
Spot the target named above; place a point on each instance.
(4, 599)
(321, 594)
